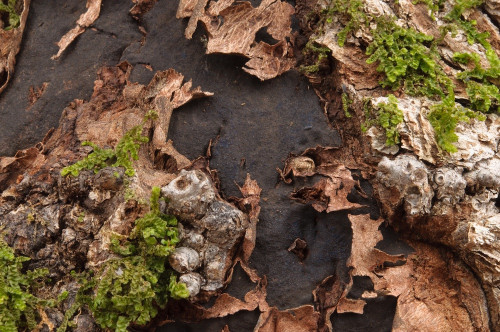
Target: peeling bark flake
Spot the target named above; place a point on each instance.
(85, 20)
(10, 44)
(232, 29)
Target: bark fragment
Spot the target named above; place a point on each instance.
(434, 290)
(66, 223)
(85, 20)
(327, 296)
(299, 248)
(141, 7)
(232, 29)
(302, 319)
(10, 44)
(35, 93)
(329, 193)
(458, 302)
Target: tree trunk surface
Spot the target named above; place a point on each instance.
(332, 165)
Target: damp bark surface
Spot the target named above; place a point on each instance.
(248, 126)
(257, 124)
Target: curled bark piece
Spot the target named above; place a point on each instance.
(35, 93)
(250, 204)
(434, 290)
(85, 20)
(232, 29)
(301, 319)
(327, 296)
(346, 305)
(365, 259)
(10, 44)
(198, 12)
(297, 166)
(299, 248)
(329, 193)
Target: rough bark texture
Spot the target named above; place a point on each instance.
(65, 223)
(425, 193)
(233, 29)
(10, 44)
(323, 257)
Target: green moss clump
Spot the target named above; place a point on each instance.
(404, 58)
(122, 155)
(483, 96)
(352, 11)
(444, 118)
(320, 53)
(388, 117)
(10, 9)
(17, 304)
(129, 289)
(410, 61)
(481, 83)
(124, 294)
(455, 17)
(346, 103)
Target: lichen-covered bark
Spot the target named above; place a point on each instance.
(426, 193)
(66, 223)
(445, 205)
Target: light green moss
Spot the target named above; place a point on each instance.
(10, 9)
(387, 116)
(131, 288)
(18, 306)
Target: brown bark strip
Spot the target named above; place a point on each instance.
(10, 44)
(141, 7)
(85, 20)
(198, 12)
(301, 319)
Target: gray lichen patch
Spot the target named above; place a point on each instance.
(405, 180)
(452, 205)
(184, 259)
(209, 229)
(189, 195)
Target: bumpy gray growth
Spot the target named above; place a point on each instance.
(449, 185)
(405, 179)
(189, 195)
(184, 259)
(209, 229)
